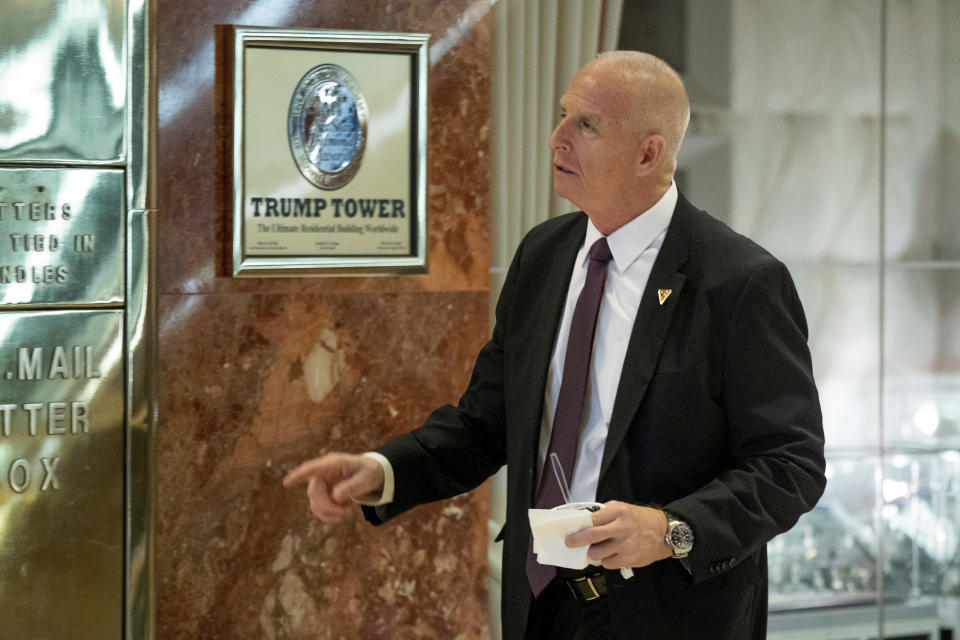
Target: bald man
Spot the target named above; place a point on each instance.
(686, 385)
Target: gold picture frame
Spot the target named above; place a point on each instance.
(329, 149)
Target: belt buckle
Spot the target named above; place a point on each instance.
(593, 595)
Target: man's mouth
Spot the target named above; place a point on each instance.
(562, 169)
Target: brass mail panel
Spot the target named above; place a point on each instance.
(61, 236)
(64, 80)
(61, 475)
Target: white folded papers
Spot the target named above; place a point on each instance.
(550, 527)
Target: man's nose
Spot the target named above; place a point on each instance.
(558, 139)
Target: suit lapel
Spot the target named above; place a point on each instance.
(549, 311)
(649, 328)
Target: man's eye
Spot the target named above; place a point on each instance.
(586, 125)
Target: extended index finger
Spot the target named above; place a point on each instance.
(304, 472)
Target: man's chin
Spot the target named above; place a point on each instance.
(565, 194)
(560, 187)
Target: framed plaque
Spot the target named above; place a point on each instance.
(329, 152)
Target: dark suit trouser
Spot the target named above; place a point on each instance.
(555, 615)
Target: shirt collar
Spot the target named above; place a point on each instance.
(629, 241)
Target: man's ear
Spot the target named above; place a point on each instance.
(652, 150)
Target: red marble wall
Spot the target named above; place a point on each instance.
(256, 375)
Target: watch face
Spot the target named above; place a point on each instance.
(681, 537)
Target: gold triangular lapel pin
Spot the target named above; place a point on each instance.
(663, 294)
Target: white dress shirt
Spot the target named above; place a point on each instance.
(634, 246)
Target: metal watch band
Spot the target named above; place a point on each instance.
(677, 528)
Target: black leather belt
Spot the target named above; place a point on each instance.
(587, 587)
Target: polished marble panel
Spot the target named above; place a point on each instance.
(253, 384)
(256, 375)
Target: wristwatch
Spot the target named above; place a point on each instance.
(679, 536)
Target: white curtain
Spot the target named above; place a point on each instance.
(537, 47)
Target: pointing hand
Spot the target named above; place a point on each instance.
(334, 479)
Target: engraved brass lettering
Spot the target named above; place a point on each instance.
(58, 364)
(50, 480)
(62, 229)
(19, 485)
(10, 274)
(78, 362)
(53, 413)
(21, 472)
(89, 371)
(33, 242)
(5, 424)
(56, 415)
(29, 362)
(64, 245)
(33, 408)
(46, 211)
(83, 242)
(79, 417)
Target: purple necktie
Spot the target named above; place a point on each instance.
(565, 434)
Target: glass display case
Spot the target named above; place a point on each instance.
(829, 132)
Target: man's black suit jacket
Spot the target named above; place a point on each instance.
(716, 420)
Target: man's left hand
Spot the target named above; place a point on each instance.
(624, 535)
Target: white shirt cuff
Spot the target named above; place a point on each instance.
(386, 497)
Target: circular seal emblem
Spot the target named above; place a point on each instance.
(327, 126)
